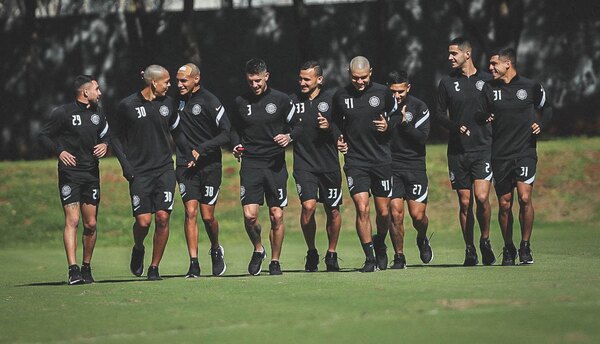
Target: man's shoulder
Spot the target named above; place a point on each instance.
(416, 102)
(277, 95)
(131, 99)
(484, 75)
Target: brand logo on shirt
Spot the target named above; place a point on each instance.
(196, 109)
(374, 101)
(181, 188)
(409, 116)
(164, 110)
(242, 191)
(479, 84)
(65, 190)
(271, 108)
(135, 200)
(95, 119)
(522, 94)
(323, 106)
(350, 182)
(181, 105)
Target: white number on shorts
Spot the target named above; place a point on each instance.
(333, 193)
(487, 167)
(76, 119)
(280, 193)
(141, 111)
(94, 193)
(168, 196)
(386, 185)
(349, 103)
(300, 108)
(417, 189)
(524, 171)
(249, 110)
(497, 94)
(210, 191)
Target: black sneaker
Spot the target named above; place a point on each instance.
(255, 265)
(525, 253)
(75, 276)
(218, 264)
(312, 261)
(509, 254)
(380, 252)
(194, 270)
(331, 261)
(86, 274)
(137, 262)
(274, 268)
(470, 256)
(153, 274)
(425, 251)
(370, 265)
(399, 261)
(487, 255)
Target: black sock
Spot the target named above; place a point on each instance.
(368, 248)
(524, 243)
(87, 265)
(74, 266)
(194, 260)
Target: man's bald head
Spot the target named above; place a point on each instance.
(188, 79)
(359, 63)
(189, 69)
(360, 72)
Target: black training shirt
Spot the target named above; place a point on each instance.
(409, 137)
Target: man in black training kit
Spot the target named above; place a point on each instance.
(143, 123)
(206, 127)
(409, 134)
(316, 164)
(260, 133)
(361, 112)
(519, 110)
(469, 147)
(77, 133)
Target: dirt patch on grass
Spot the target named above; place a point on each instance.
(462, 304)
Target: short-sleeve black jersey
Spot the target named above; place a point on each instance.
(315, 150)
(457, 103)
(353, 114)
(75, 128)
(144, 129)
(409, 137)
(206, 127)
(256, 120)
(514, 106)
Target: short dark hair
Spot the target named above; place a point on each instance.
(81, 80)
(462, 42)
(314, 65)
(255, 66)
(508, 53)
(397, 77)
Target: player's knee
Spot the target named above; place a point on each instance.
(504, 205)
(162, 219)
(89, 224)
(251, 219)
(72, 222)
(419, 217)
(397, 216)
(525, 199)
(309, 208)
(482, 199)
(191, 213)
(208, 219)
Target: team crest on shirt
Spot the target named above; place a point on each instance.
(135, 200)
(196, 109)
(350, 182)
(95, 119)
(374, 101)
(271, 108)
(299, 188)
(164, 110)
(409, 116)
(522, 94)
(323, 106)
(65, 190)
(242, 191)
(479, 84)
(181, 188)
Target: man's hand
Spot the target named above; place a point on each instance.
(464, 130)
(342, 146)
(381, 124)
(536, 129)
(283, 139)
(195, 154)
(67, 158)
(323, 122)
(238, 151)
(404, 114)
(100, 150)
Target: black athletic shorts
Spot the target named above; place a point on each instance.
(508, 172)
(256, 184)
(410, 185)
(323, 187)
(150, 193)
(375, 180)
(202, 185)
(465, 168)
(79, 186)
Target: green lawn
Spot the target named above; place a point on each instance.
(556, 300)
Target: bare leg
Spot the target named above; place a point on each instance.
(481, 189)
(308, 223)
(334, 225)
(161, 236)
(252, 226)
(211, 225)
(191, 227)
(90, 215)
(70, 231)
(277, 231)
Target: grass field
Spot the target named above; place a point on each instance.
(557, 300)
